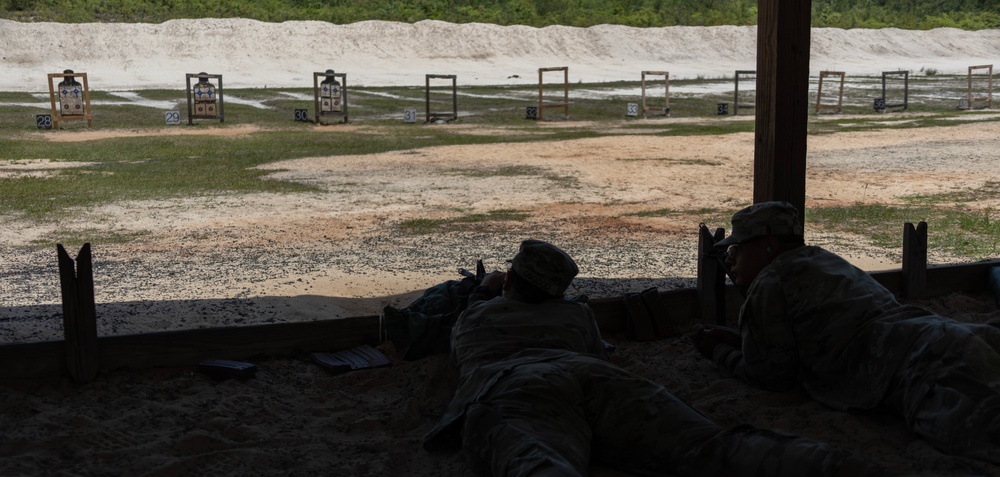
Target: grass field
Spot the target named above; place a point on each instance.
(155, 164)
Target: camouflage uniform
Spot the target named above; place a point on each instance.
(537, 395)
(811, 317)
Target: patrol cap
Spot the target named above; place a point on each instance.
(545, 266)
(764, 218)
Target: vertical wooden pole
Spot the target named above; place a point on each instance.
(188, 93)
(711, 280)
(316, 106)
(427, 98)
(222, 100)
(52, 98)
(566, 93)
(540, 107)
(783, 38)
(914, 259)
(79, 314)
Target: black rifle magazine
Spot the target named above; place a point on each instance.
(362, 357)
(224, 368)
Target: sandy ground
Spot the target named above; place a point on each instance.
(343, 251)
(263, 258)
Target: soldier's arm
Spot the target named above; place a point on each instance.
(769, 355)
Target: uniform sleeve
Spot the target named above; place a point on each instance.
(769, 358)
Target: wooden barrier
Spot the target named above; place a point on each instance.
(448, 116)
(736, 91)
(646, 107)
(914, 260)
(885, 104)
(711, 301)
(541, 90)
(988, 97)
(79, 314)
(838, 107)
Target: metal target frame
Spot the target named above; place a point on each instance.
(316, 96)
(541, 92)
(57, 116)
(646, 108)
(820, 106)
(736, 91)
(221, 114)
(989, 88)
(431, 115)
(906, 91)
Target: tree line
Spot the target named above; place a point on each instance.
(907, 14)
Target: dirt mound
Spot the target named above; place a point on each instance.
(250, 53)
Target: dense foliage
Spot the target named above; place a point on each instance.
(909, 14)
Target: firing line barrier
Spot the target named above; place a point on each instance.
(82, 354)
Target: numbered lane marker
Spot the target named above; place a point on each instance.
(43, 121)
(172, 117)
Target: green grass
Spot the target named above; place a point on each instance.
(561, 180)
(73, 239)
(427, 226)
(964, 232)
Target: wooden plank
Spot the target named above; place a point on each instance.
(87, 315)
(711, 279)
(183, 348)
(30, 360)
(914, 259)
(79, 314)
(188, 347)
(783, 39)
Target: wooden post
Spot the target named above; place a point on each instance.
(711, 281)
(79, 314)
(782, 101)
(914, 259)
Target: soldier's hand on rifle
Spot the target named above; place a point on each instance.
(708, 337)
(494, 281)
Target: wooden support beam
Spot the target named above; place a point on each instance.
(79, 314)
(783, 39)
(189, 347)
(914, 259)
